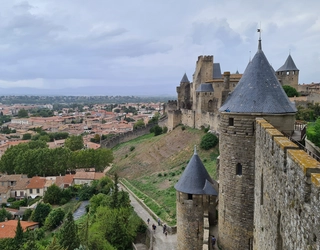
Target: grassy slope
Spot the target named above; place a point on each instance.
(156, 163)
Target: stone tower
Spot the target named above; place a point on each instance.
(205, 98)
(203, 73)
(195, 194)
(184, 93)
(288, 73)
(258, 94)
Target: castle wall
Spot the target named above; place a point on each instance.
(190, 221)
(287, 193)
(174, 119)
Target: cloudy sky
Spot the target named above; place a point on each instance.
(147, 45)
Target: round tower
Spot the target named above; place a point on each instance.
(288, 73)
(194, 194)
(258, 94)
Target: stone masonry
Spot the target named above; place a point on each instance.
(287, 193)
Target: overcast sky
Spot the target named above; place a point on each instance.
(55, 44)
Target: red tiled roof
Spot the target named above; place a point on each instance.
(8, 228)
(36, 182)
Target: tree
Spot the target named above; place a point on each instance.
(74, 142)
(54, 219)
(208, 141)
(26, 136)
(52, 195)
(54, 245)
(18, 238)
(40, 213)
(68, 236)
(22, 113)
(313, 132)
(139, 124)
(290, 91)
(4, 214)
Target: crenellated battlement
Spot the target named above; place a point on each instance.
(287, 197)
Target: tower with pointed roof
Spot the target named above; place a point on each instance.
(195, 197)
(184, 93)
(288, 73)
(258, 94)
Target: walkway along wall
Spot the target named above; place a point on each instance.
(287, 193)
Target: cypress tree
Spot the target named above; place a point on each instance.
(18, 238)
(68, 237)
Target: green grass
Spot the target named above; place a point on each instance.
(134, 141)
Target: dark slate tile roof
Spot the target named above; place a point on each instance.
(288, 65)
(205, 87)
(216, 71)
(258, 91)
(195, 178)
(184, 78)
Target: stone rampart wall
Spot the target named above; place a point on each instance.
(124, 137)
(287, 190)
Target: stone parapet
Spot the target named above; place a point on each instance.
(287, 193)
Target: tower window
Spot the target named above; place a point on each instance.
(288, 73)
(231, 121)
(239, 169)
(189, 196)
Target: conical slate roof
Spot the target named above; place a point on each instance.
(258, 91)
(195, 178)
(216, 71)
(184, 78)
(205, 87)
(288, 65)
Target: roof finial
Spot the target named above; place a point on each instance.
(259, 46)
(195, 149)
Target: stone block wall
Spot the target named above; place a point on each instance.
(236, 188)
(287, 193)
(190, 222)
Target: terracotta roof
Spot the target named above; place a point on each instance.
(4, 190)
(89, 175)
(12, 177)
(8, 228)
(68, 179)
(36, 182)
(21, 184)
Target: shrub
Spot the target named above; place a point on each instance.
(157, 130)
(313, 132)
(132, 148)
(159, 175)
(183, 127)
(165, 174)
(173, 174)
(208, 141)
(164, 129)
(26, 215)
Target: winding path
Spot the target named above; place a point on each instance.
(160, 241)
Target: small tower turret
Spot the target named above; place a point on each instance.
(184, 97)
(288, 73)
(194, 192)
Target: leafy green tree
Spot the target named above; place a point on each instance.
(22, 113)
(208, 141)
(313, 132)
(54, 219)
(40, 213)
(18, 238)
(26, 215)
(157, 130)
(290, 91)
(52, 195)
(4, 214)
(74, 142)
(68, 236)
(114, 200)
(139, 124)
(26, 136)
